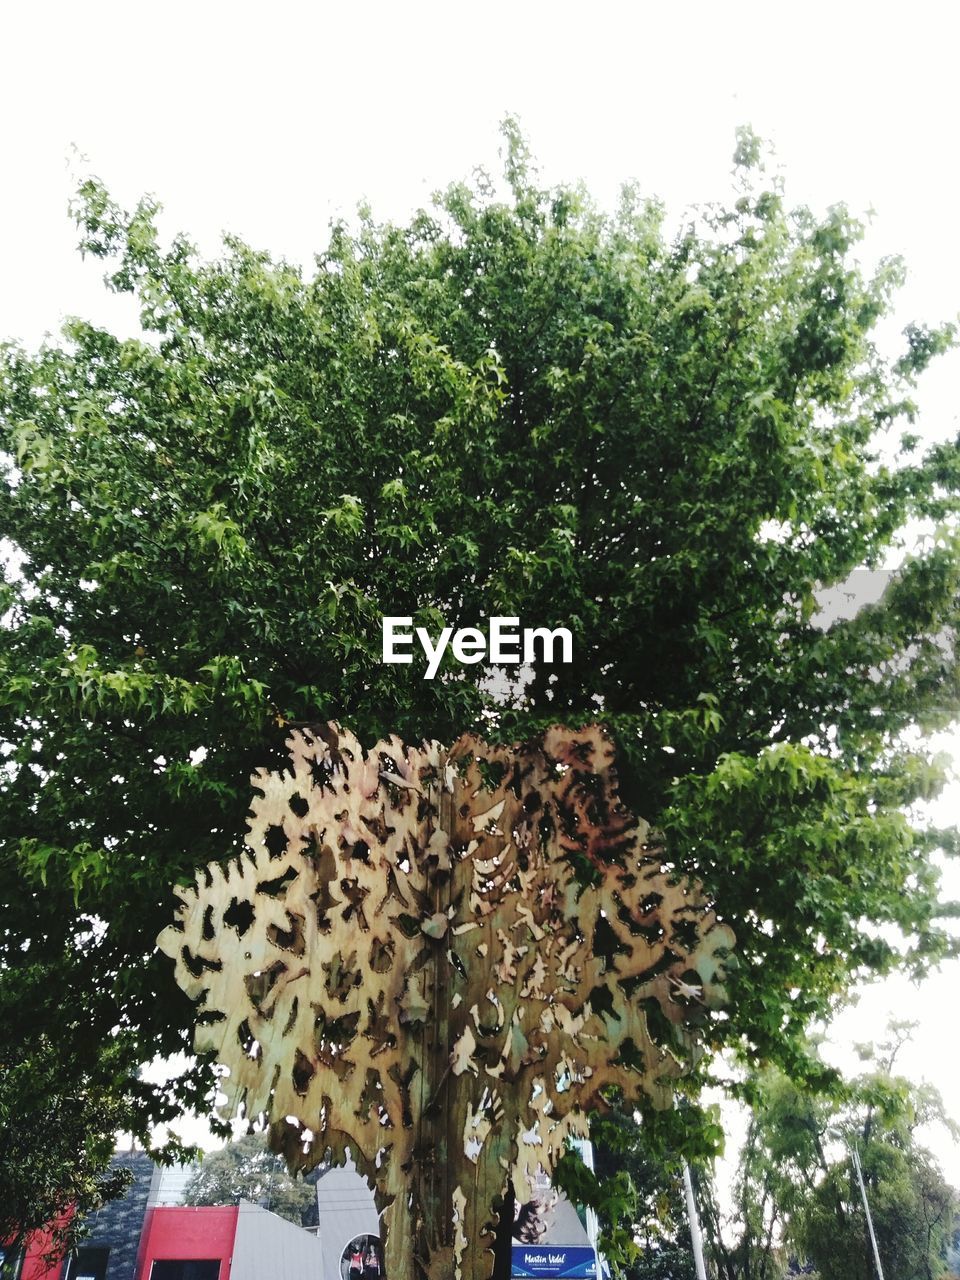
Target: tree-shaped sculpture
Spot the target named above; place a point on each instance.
(439, 959)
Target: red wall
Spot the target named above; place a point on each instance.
(34, 1267)
(188, 1233)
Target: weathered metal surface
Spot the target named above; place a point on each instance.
(439, 958)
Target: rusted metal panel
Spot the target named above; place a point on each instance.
(439, 958)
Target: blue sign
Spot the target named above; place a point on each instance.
(554, 1260)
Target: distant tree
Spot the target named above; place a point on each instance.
(796, 1195)
(778, 1165)
(247, 1170)
(796, 1207)
(912, 1205)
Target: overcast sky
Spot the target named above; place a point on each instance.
(268, 120)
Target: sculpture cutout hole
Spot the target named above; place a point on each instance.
(240, 915)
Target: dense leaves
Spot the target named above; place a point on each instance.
(637, 1187)
(62, 1100)
(516, 406)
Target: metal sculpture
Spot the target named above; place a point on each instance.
(439, 959)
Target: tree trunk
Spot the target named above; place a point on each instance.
(503, 1244)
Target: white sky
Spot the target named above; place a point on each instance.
(268, 120)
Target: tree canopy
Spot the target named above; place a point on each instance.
(61, 1104)
(797, 1202)
(518, 405)
(247, 1170)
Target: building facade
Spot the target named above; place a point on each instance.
(149, 1235)
(142, 1236)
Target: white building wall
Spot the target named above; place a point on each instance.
(270, 1248)
(346, 1210)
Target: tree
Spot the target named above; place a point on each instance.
(247, 1170)
(511, 406)
(61, 1104)
(797, 1204)
(912, 1206)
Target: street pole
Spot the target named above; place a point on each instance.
(695, 1238)
(866, 1208)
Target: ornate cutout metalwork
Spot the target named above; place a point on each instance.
(438, 958)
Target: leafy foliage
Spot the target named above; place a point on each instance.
(637, 1187)
(797, 1203)
(247, 1170)
(61, 1103)
(796, 1206)
(914, 1210)
(515, 406)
